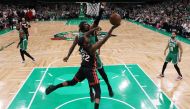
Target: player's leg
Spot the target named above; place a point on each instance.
(91, 94)
(163, 69)
(102, 72)
(175, 62)
(52, 88)
(97, 95)
(168, 59)
(94, 83)
(178, 71)
(25, 45)
(22, 55)
(77, 78)
(105, 77)
(27, 54)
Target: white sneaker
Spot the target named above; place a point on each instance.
(179, 78)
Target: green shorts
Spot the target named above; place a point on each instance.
(24, 45)
(172, 57)
(99, 62)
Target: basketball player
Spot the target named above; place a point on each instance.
(173, 55)
(88, 65)
(84, 27)
(25, 26)
(23, 44)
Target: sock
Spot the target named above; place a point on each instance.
(96, 106)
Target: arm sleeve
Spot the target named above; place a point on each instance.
(97, 20)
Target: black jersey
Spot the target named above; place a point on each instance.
(24, 28)
(88, 59)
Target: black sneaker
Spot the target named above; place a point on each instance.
(50, 89)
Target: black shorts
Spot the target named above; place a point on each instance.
(87, 73)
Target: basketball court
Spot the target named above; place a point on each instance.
(133, 90)
(132, 60)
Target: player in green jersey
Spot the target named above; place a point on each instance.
(23, 44)
(174, 55)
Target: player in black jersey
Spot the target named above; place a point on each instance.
(84, 27)
(25, 25)
(88, 65)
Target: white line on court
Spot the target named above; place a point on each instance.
(50, 74)
(101, 80)
(37, 80)
(144, 86)
(40, 84)
(136, 80)
(157, 86)
(141, 87)
(61, 79)
(19, 89)
(115, 77)
(123, 71)
(123, 102)
(12, 93)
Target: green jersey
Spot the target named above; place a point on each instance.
(24, 42)
(173, 47)
(93, 38)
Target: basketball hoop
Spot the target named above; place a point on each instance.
(93, 9)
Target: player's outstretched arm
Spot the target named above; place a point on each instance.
(181, 51)
(98, 44)
(87, 34)
(71, 49)
(97, 20)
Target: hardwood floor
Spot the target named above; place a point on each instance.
(133, 44)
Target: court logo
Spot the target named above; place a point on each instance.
(70, 35)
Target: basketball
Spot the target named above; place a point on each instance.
(115, 19)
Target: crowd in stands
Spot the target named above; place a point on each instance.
(9, 15)
(57, 11)
(170, 15)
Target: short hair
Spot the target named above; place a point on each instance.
(81, 25)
